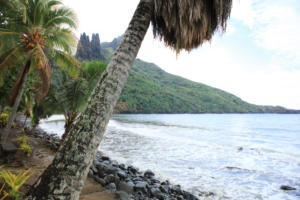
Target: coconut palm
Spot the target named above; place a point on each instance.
(41, 29)
(182, 25)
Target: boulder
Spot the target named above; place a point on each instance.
(286, 187)
(149, 174)
(141, 186)
(126, 187)
(9, 147)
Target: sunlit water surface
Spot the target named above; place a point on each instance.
(235, 156)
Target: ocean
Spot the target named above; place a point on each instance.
(233, 156)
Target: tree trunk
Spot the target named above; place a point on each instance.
(24, 125)
(69, 122)
(12, 117)
(65, 176)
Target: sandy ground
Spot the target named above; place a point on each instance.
(41, 157)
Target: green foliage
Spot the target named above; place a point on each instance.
(31, 26)
(3, 119)
(27, 149)
(22, 140)
(91, 71)
(14, 182)
(24, 146)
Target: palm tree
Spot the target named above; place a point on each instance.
(39, 30)
(181, 24)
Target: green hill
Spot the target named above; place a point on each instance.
(151, 90)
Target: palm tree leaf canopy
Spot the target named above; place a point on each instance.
(186, 24)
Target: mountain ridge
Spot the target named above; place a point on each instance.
(150, 89)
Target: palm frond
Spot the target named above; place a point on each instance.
(40, 62)
(59, 17)
(62, 39)
(7, 60)
(67, 63)
(74, 95)
(186, 24)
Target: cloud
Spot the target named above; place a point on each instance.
(274, 26)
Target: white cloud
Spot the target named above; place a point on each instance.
(275, 26)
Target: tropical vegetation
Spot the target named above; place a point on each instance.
(34, 35)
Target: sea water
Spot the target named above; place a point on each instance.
(234, 156)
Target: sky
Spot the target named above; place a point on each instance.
(257, 59)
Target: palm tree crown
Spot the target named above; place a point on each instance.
(186, 24)
(41, 29)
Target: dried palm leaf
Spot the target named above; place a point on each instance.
(186, 24)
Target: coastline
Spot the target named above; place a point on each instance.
(127, 182)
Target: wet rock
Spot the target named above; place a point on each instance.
(122, 166)
(132, 170)
(155, 192)
(105, 158)
(141, 186)
(286, 187)
(90, 174)
(164, 188)
(121, 174)
(111, 179)
(112, 187)
(122, 195)
(100, 180)
(94, 169)
(127, 187)
(149, 174)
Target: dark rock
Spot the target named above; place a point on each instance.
(149, 174)
(112, 187)
(121, 174)
(155, 192)
(126, 186)
(111, 179)
(164, 188)
(105, 158)
(122, 166)
(132, 169)
(106, 169)
(90, 174)
(286, 187)
(141, 186)
(101, 181)
(122, 195)
(94, 169)
(9, 147)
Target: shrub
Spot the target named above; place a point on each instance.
(26, 149)
(3, 120)
(22, 140)
(14, 182)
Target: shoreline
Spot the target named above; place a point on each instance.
(127, 182)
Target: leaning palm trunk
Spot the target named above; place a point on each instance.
(18, 98)
(65, 176)
(69, 122)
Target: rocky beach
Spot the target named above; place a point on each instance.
(126, 182)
